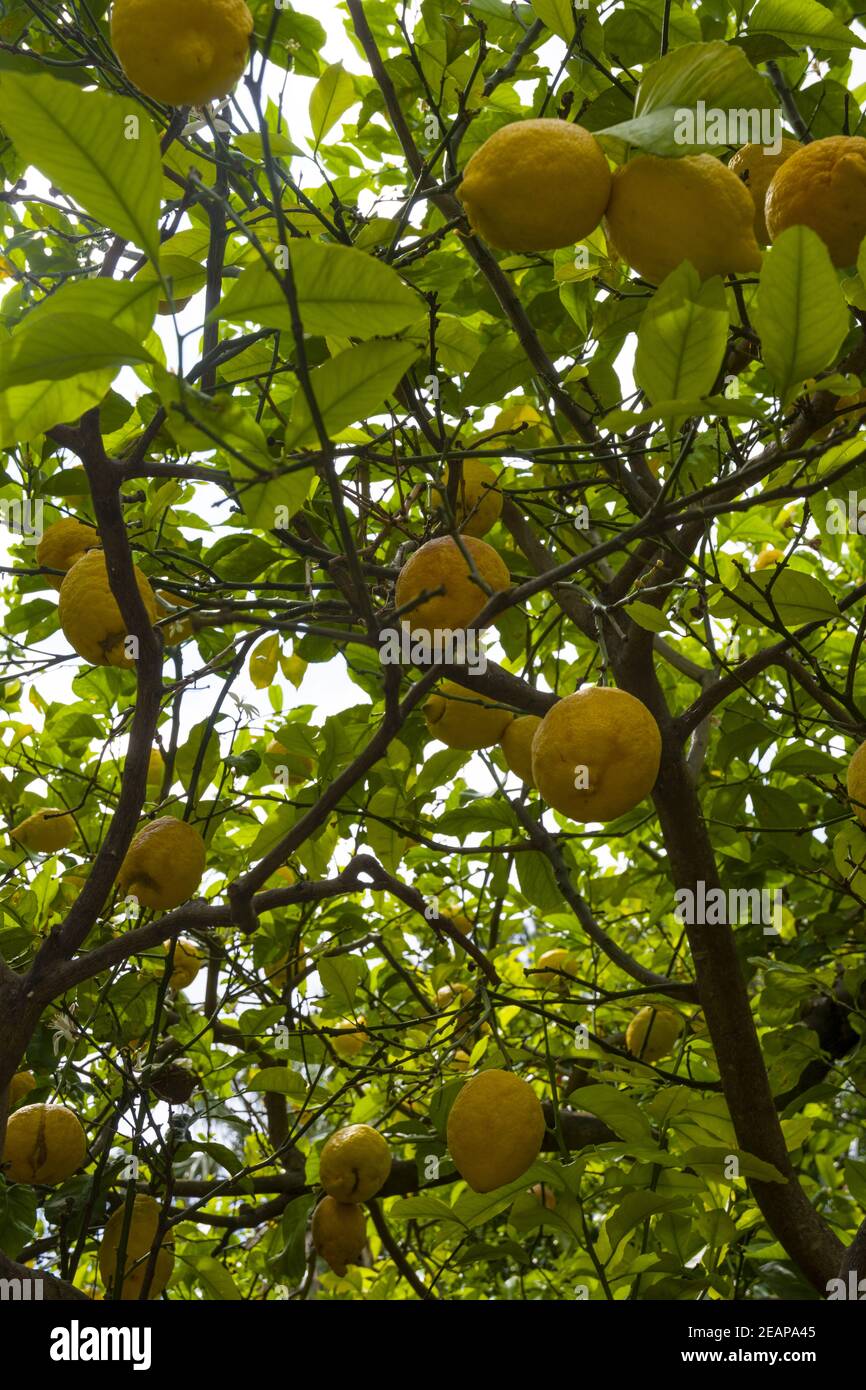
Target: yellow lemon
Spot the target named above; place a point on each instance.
(183, 54)
(461, 1061)
(478, 504)
(768, 556)
(596, 754)
(89, 613)
(62, 544)
(460, 718)
(188, 961)
(155, 769)
(652, 1033)
(45, 831)
(664, 211)
(339, 1233)
(140, 1240)
(536, 185)
(495, 1129)
(440, 564)
(857, 783)
(516, 743)
(164, 864)
(448, 997)
(558, 963)
(45, 1144)
(756, 170)
(349, 1039)
(823, 186)
(354, 1164)
(22, 1083)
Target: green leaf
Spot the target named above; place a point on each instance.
(351, 386)
(128, 304)
(332, 95)
(214, 1278)
(99, 149)
(341, 976)
(855, 1177)
(681, 340)
(718, 74)
(28, 411)
(422, 1209)
(537, 882)
(282, 1080)
(558, 15)
(615, 1108)
(341, 292)
(803, 23)
(800, 312)
(57, 346)
(484, 813)
(497, 372)
(646, 616)
(797, 598)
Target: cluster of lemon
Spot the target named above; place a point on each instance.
(540, 185)
(594, 756)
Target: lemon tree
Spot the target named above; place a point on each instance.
(432, 744)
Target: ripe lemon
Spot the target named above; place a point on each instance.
(478, 504)
(143, 1228)
(354, 1164)
(183, 54)
(339, 1233)
(823, 186)
(559, 962)
(439, 564)
(45, 831)
(62, 544)
(460, 718)
(45, 1144)
(22, 1083)
(349, 1040)
(857, 783)
(155, 769)
(664, 211)
(516, 745)
(756, 170)
(164, 864)
(495, 1128)
(768, 556)
(188, 961)
(652, 1033)
(536, 185)
(596, 754)
(89, 615)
